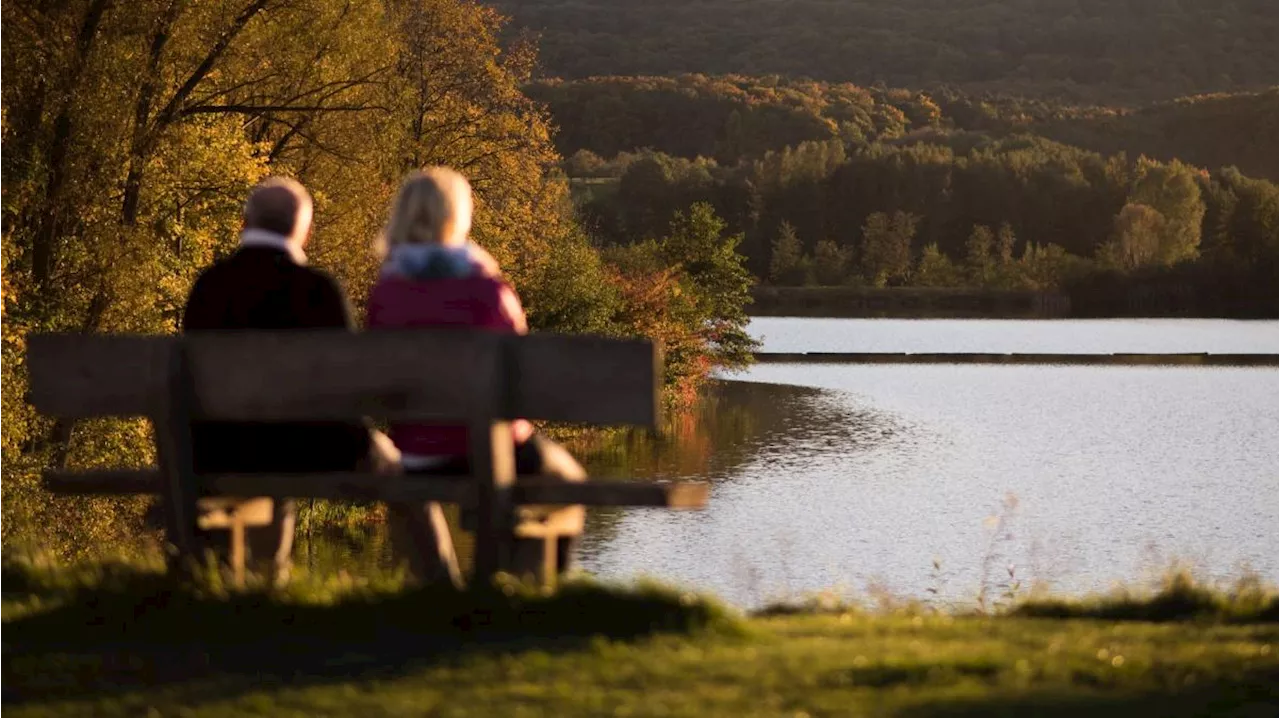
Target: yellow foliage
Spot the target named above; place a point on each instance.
(132, 132)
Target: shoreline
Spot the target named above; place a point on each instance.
(959, 303)
(1181, 359)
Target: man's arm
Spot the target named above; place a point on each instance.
(333, 311)
(329, 306)
(199, 313)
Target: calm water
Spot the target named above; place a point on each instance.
(861, 476)
(1063, 336)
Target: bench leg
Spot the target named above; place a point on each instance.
(237, 549)
(536, 558)
(566, 546)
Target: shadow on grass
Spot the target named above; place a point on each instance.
(115, 628)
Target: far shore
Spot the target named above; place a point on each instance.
(959, 303)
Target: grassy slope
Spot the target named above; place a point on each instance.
(784, 666)
(117, 641)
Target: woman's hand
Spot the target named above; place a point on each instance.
(384, 457)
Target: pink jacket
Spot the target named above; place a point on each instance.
(482, 302)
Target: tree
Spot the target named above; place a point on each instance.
(1137, 239)
(886, 247)
(1172, 191)
(788, 264)
(1049, 266)
(1007, 273)
(687, 291)
(979, 264)
(831, 263)
(715, 276)
(1005, 241)
(936, 269)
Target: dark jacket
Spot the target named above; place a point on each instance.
(262, 288)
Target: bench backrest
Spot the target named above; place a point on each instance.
(312, 375)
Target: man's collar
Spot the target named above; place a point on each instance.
(263, 238)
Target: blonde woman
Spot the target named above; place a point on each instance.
(433, 276)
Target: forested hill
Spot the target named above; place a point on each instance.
(1126, 52)
(1212, 131)
(732, 118)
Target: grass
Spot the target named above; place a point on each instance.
(1180, 598)
(114, 639)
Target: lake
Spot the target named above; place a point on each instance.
(938, 480)
(1059, 336)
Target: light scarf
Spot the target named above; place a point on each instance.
(431, 261)
(255, 237)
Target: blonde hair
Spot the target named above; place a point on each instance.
(433, 206)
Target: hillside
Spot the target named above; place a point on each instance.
(730, 118)
(1093, 51)
(1209, 131)
(839, 184)
(722, 117)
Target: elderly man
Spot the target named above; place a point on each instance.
(266, 285)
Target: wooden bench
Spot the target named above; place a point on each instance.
(478, 379)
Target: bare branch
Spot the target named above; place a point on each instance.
(170, 110)
(266, 109)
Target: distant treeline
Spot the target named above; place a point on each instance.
(958, 210)
(913, 302)
(724, 118)
(730, 118)
(1096, 51)
(835, 184)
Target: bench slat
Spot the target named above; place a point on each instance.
(314, 375)
(260, 376)
(337, 485)
(671, 495)
(356, 486)
(79, 376)
(585, 379)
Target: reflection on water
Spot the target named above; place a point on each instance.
(735, 425)
(333, 551)
(891, 468)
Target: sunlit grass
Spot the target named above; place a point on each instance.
(125, 638)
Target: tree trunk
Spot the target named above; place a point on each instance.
(59, 140)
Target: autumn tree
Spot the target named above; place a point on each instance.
(788, 264)
(831, 263)
(688, 290)
(1137, 240)
(698, 245)
(886, 247)
(978, 259)
(935, 269)
(1172, 191)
